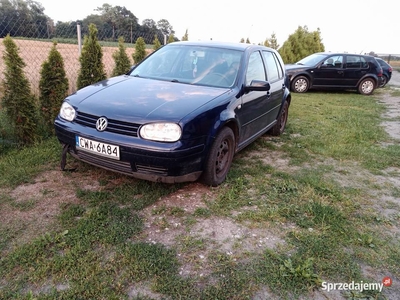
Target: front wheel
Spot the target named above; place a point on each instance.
(219, 158)
(300, 84)
(367, 86)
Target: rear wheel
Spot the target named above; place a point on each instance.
(279, 127)
(300, 84)
(219, 158)
(384, 80)
(367, 86)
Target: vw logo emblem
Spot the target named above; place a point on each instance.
(101, 124)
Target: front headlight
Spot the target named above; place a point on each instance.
(163, 132)
(67, 112)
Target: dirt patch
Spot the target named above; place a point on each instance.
(32, 210)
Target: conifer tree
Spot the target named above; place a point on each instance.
(273, 41)
(156, 43)
(140, 50)
(171, 39)
(121, 59)
(186, 36)
(18, 101)
(53, 87)
(92, 67)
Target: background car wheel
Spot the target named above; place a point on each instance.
(384, 81)
(219, 158)
(279, 127)
(367, 86)
(300, 84)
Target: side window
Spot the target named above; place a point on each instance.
(356, 62)
(274, 70)
(255, 68)
(333, 62)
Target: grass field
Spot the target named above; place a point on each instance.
(319, 204)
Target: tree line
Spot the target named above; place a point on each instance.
(26, 18)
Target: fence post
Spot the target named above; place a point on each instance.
(78, 30)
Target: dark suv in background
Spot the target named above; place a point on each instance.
(335, 70)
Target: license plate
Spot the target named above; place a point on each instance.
(99, 148)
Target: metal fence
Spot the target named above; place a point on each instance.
(35, 48)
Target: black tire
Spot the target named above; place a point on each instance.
(384, 81)
(367, 86)
(280, 125)
(300, 84)
(219, 158)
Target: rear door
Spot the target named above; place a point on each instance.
(275, 77)
(356, 67)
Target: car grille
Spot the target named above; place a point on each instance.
(152, 170)
(104, 162)
(115, 126)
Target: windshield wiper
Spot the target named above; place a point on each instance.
(174, 80)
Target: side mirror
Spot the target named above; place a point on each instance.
(258, 85)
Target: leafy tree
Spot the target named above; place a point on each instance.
(165, 28)
(92, 67)
(248, 41)
(301, 44)
(121, 59)
(119, 18)
(18, 101)
(156, 43)
(23, 18)
(140, 50)
(242, 40)
(267, 43)
(53, 87)
(186, 36)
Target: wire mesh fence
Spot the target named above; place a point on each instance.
(35, 42)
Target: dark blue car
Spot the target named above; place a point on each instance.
(179, 115)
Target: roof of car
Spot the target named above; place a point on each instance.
(230, 45)
(341, 53)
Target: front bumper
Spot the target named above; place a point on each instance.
(144, 161)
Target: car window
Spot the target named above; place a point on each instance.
(356, 62)
(192, 65)
(333, 62)
(255, 68)
(274, 68)
(311, 60)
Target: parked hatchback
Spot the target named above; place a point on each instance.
(179, 115)
(387, 71)
(335, 71)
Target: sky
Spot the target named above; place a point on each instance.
(353, 26)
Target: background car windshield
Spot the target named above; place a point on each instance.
(311, 60)
(208, 66)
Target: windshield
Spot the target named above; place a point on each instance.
(311, 60)
(210, 66)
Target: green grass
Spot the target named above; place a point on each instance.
(327, 220)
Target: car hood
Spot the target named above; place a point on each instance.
(134, 99)
(294, 67)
